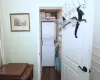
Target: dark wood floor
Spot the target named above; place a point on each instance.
(50, 74)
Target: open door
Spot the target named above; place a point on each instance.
(76, 52)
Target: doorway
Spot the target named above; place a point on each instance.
(50, 43)
(76, 51)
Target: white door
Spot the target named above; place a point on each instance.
(48, 47)
(76, 52)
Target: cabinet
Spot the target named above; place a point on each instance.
(16, 71)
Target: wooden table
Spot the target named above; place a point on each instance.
(16, 71)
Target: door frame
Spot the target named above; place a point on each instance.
(2, 45)
(39, 54)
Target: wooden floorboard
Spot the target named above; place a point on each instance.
(50, 74)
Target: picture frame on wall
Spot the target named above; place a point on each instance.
(20, 22)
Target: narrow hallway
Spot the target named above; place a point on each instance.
(50, 74)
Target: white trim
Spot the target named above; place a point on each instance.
(96, 55)
(50, 8)
(96, 62)
(95, 52)
(2, 45)
(39, 76)
(95, 68)
(96, 47)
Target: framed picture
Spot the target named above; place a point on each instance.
(20, 22)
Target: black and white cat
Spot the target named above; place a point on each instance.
(74, 20)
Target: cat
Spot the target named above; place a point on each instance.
(76, 20)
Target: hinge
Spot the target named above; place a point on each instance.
(42, 42)
(89, 70)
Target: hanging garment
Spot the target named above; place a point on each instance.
(58, 64)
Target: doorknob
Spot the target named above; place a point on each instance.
(84, 69)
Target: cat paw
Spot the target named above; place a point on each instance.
(76, 37)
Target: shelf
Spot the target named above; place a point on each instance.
(49, 20)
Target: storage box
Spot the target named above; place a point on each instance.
(47, 14)
(49, 18)
(42, 15)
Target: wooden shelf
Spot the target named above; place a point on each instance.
(49, 20)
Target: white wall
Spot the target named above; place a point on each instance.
(20, 46)
(95, 74)
(24, 46)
